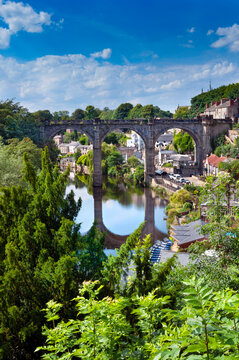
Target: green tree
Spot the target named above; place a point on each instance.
(90, 112)
(133, 162)
(11, 160)
(147, 111)
(114, 159)
(113, 138)
(43, 115)
(135, 112)
(139, 175)
(183, 142)
(182, 112)
(78, 115)
(106, 114)
(122, 111)
(61, 115)
(38, 255)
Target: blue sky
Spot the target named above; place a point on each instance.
(61, 55)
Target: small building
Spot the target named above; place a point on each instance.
(58, 139)
(73, 145)
(211, 164)
(135, 141)
(185, 235)
(165, 155)
(164, 140)
(64, 148)
(222, 109)
(84, 149)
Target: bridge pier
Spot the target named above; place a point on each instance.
(97, 172)
(149, 170)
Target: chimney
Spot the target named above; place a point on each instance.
(217, 102)
(207, 105)
(231, 102)
(223, 100)
(212, 102)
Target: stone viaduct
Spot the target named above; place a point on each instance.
(202, 130)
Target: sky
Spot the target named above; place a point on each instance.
(63, 55)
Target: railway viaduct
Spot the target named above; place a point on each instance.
(201, 129)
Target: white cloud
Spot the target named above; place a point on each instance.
(229, 37)
(20, 17)
(172, 85)
(210, 32)
(4, 38)
(191, 30)
(104, 54)
(71, 81)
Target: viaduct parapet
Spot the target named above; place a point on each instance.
(202, 130)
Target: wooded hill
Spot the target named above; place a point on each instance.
(198, 103)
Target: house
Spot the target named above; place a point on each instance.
(73, 145)
(224, 108)
(185, 235)
(135, 141)
(58, 139)
(64, 148)
(165, 155)
(164, 140)
(211, 164)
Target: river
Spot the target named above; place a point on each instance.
(119, 210)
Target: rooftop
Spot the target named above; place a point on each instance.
(187, 233)
(214, 160)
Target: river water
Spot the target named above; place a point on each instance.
(119, 210)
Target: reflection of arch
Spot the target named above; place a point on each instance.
(112, 240)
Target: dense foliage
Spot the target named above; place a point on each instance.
(17, 122)
(11, 160)
(39, 255)
(183, 142)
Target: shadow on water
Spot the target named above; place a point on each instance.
(119, 210)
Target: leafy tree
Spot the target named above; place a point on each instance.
(113, 138)
(84, 140)
(183, 142)
(135, 112)
(106, 114)
(38, 255)
(147, 111)
(133, 162)
(162, 113)
(90, 112)
(42, 115)
(182, 112)
(11, 160)
(61, 115)
(122, 111)
(139, 175)
(78, 115)
(114, 159)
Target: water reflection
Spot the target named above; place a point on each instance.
(119, 211)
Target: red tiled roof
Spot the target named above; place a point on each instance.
(214, 160)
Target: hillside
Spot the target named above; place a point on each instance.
(198, 103)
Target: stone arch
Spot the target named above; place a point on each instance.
(132, 127)
(52, 130)
(195, 134)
